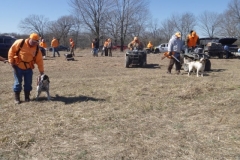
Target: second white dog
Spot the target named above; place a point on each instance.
(198, 66)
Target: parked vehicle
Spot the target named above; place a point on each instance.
(194, 56)
(5, 44)
(161, 48)
(60, 48)
(215, 46)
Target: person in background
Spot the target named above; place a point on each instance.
(150, 46)
(226, 50)
(105, 49)
(174, 48)
(43, 48)
(54, 45)
(72, 45)
(192, 40)
(22, 56)
(109, 47)
(95, 47)
(135, 44)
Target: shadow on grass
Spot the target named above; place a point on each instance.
(148, 66)
(217, 70)
(69, 100)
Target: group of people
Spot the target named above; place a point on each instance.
(107, 47)
(23, 54)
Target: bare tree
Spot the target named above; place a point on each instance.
(91, 12)
(131, 14)
(183, 23)
(167, 29)
(34, 23)
(209, 23)
(61, 28)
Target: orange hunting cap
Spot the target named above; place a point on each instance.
(178, 34)
(34, 36)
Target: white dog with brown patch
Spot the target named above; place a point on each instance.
(198, 66)
(43, 85)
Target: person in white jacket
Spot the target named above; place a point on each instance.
(174, 48)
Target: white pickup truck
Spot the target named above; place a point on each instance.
(162, 48)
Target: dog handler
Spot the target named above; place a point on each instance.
(22, 56)
(174, 45)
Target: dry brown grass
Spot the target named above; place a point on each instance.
(101, 110)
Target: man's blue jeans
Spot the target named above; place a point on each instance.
(19, 74)
(55, 50)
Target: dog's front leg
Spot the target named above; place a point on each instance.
(48, 95)
(38, 94)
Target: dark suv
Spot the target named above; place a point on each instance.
(215, 46)
(5, 43)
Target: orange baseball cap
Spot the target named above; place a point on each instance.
(34, 36)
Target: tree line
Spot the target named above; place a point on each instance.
(121, 20)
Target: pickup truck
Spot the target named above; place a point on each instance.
(161, 48)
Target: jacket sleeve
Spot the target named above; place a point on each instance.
(12, 51)
(39, 61)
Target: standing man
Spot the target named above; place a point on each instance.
(174, 48)
(109, 47)
(43, 47)
(95, 47)
(22, 56)
(72, 45)
(191, 41)
(54, 45)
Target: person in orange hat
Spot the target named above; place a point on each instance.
(43, 47)
(135, 44)
(22, 56)
(72, 45)
(109, 47)
(54, 45)
(192, 41)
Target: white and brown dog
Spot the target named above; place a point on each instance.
(198, 66)
(43, 85)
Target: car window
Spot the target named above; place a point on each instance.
(1, 40)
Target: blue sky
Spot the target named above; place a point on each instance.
(13, 11)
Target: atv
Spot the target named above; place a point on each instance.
(136, 57)
(195, 55)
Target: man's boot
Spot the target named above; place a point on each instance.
(27, 94)
(17, 97)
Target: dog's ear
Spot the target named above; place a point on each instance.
(45, 77)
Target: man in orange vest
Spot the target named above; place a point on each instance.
(22, 56)
(72, 47)
(54, 44)
(191, 41)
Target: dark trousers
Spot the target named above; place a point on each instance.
(172, 62)
(106, 51)
(110, 52)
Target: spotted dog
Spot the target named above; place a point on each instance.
(43, 85)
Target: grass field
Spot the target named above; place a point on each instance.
(101, 110)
